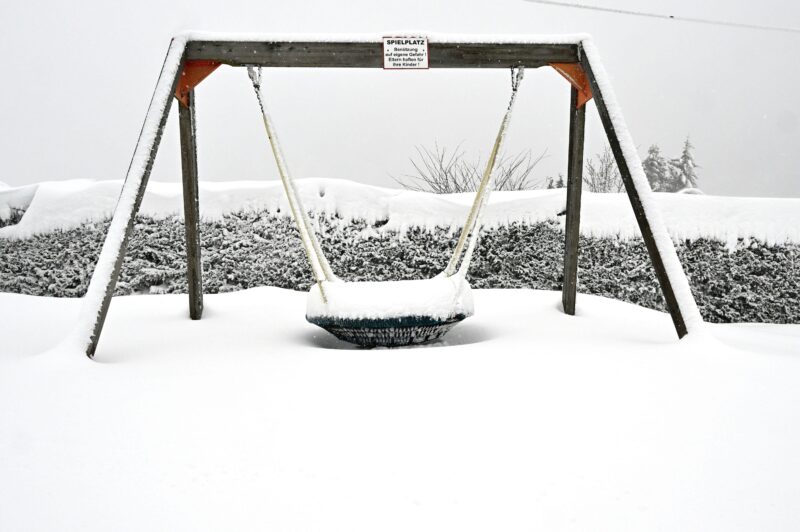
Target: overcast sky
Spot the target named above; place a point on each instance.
(77, 79)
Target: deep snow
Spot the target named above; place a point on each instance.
(525, 418)
(67, 204)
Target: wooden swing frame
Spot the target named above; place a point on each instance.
(201, 56)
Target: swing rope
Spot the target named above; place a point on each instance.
(472, 225)
(316, 258)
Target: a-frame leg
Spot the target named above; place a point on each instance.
(663, 256)
(577, 120)
(194, 267)
(104, 278)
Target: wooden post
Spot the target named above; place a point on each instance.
(191, 207)
(104, 278)
(577, 120)
(121, 246)
(636, 202)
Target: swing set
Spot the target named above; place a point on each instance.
(338, 306)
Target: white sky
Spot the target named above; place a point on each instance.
(77, 78)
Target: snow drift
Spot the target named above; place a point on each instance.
(523, 418)
(53, 206)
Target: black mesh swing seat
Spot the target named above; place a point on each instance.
(393, 313)
(387, 332)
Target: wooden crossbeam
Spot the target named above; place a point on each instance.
(370, 54)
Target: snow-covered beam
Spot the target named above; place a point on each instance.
(669, 272)
(104, 278)
(346, 54)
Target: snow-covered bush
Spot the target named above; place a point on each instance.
(11, 217)
(753, 282)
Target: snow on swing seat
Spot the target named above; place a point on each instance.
(390, 313)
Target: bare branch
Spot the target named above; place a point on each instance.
(445, 171)
(602, 174)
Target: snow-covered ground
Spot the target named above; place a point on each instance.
(523, 419)
(68, 204)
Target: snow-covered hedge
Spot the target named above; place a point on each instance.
(12, 217)
(753, 281)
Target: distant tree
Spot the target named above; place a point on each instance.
(683, 174)
(657, 170)
(444, 171)
(602, 174)
(552, 183)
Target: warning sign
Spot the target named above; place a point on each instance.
(405, 52)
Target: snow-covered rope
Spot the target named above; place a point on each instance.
(319, 264)
(316, 258)
(472, 225)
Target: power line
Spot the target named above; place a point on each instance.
(667, 17)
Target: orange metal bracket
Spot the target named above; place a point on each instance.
(573, 73)
(194, 71)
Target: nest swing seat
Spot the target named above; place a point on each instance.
(389, 331)
(388, 313)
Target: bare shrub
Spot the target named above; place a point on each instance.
(602, 174)
(444, 171)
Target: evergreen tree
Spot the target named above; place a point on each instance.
(657, 170)
(552, 183)
(682, 169)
